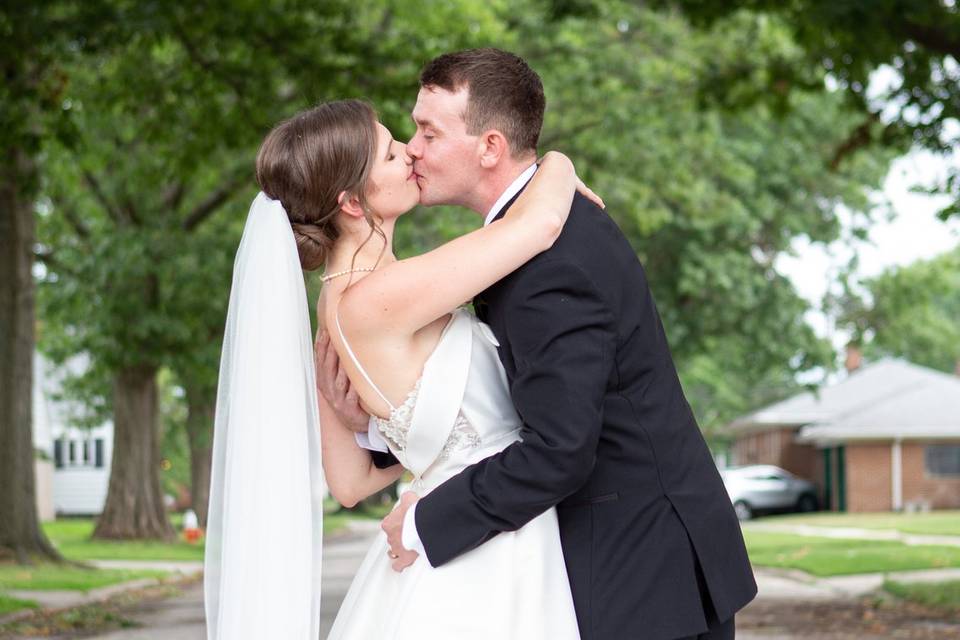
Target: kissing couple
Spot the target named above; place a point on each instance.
(561, 486)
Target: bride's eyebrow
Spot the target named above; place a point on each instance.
(389, 149)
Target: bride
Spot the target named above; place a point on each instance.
(333, 183)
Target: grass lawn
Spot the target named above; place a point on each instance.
(941, 595)
(943, 523)
(831, 557)
(8, 604)
(72, 537)
(44, 577)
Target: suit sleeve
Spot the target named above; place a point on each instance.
(562, 338)
(383, 460)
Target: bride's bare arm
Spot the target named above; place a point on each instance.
(410, 294)
(349, 470)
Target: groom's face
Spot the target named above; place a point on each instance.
(445, 157)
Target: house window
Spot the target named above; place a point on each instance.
(73, 452)
(942, 459)
(98, 450)
(58, 453)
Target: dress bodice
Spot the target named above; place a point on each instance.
(459, 410)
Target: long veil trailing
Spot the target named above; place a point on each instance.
(265, 520)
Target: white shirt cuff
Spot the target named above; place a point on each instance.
(408, 535)
(372, 439)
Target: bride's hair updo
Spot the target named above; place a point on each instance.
(305, 162)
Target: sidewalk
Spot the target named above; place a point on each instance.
(795, 584)
(852, 533)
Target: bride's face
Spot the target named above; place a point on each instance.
(392, 189)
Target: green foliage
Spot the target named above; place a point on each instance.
(145, 199)
(707, 194)
(919, 39)
(911, 312)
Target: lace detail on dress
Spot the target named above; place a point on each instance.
(463, 436)
(396, 428)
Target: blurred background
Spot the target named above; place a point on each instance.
(787, 172)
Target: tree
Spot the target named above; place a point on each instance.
(146, 206)
(709, 196)
(910, 312)
(34, 41)
(919, 39)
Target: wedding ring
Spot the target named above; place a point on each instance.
(392, 554)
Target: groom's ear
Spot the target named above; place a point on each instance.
(350, 204)
(493, 147)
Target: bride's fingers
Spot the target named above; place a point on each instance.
(341, 380)
(330, 361)
(589, 194)
(352, 398)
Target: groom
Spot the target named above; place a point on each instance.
(651, 543)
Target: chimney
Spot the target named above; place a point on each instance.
(854, 357)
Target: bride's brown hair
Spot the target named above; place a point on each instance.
(306, 161)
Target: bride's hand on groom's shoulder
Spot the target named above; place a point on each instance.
(334, 385)
(585, 191)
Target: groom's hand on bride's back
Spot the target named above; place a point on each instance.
(334, 385)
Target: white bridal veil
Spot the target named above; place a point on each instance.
(265, 520)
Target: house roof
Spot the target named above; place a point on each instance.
(890, 398)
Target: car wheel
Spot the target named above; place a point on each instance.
(807, 503)
(743, 510)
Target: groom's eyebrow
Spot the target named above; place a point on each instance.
(423, 122)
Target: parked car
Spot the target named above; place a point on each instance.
(764, 488)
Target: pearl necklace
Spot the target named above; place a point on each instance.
(343, 273)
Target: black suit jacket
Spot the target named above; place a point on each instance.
(608, 438)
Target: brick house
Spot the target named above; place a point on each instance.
(887, 437)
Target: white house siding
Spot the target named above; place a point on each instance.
(79, 486)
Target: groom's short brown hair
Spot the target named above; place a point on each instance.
(504, 93)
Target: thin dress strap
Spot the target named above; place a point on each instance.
(346, 345)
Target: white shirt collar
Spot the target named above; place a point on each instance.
(511, 191)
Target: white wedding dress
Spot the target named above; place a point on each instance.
(513, 586)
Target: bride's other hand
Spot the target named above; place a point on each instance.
(334, 385)
(584, 190)
(545, 203)
(588, 193)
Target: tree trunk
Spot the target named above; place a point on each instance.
(134, 508)
(200, 409)
(21, 537)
